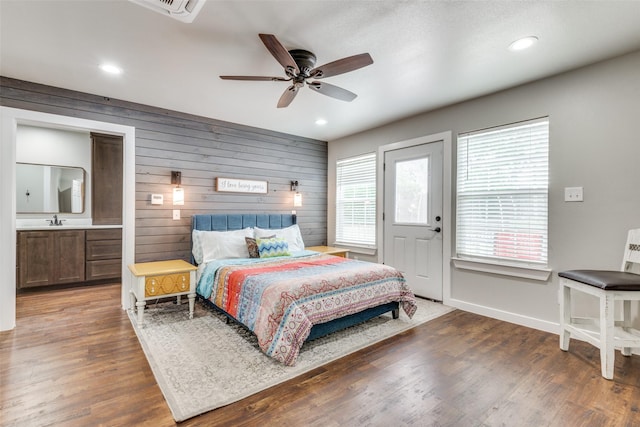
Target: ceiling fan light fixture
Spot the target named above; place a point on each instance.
(523, 43)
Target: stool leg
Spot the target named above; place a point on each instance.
(626, 323)
(607, 351)
(565, 316)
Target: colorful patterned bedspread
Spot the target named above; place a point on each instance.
(280, 299)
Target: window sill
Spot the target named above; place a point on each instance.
(534, 273)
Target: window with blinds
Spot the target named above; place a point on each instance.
(502, 193)
(356, 201)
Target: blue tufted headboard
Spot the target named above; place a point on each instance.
(226, 222)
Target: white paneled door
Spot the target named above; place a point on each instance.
(413, 216)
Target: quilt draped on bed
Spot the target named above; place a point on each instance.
(280, 299)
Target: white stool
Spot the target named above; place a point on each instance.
(604, 332)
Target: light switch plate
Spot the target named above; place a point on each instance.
(176, 214)
(573, 194)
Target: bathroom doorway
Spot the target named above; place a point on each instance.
(10, 119)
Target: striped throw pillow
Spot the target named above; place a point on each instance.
(271, 247)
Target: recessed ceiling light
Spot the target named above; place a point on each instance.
(321, 122)
(111, 69)
(523, 43)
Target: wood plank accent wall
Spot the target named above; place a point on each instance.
(202, 149)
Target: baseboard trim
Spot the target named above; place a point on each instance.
(518, 319)
(507, 316)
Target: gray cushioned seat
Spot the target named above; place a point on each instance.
(607, 280)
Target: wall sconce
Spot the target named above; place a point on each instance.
(297, 198)
(178, 192)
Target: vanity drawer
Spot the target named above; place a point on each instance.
(105, 234)
(104, 269)
(103, 249)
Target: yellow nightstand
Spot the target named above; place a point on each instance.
(344, 253)
(162, 279)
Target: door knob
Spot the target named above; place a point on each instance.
(437, 229)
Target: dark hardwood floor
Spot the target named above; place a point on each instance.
(74, 360)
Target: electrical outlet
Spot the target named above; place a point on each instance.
(176, 214)
(573, 194)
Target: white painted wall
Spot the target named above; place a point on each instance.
(594, 143)
(59, 147)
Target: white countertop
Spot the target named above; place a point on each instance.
(67, 224)
(64, 227)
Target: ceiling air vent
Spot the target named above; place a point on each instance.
(183, 10)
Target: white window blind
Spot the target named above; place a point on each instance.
(356, 201)
(502, 193)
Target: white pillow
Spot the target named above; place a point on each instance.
(197, 237)
(196, 245)
(290, 234)
(225, 244)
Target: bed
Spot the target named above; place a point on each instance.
(254, 268)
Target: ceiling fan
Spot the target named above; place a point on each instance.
(299, 67)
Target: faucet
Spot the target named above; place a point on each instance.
(56, 221)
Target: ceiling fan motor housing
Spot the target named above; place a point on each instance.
(305, 60)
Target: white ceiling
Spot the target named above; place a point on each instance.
(427, 54)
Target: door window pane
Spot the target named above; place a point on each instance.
(412, 191)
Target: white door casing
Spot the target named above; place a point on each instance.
(9, 119)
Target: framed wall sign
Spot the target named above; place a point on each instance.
(234, 185)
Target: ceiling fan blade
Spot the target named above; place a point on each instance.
(255, 78)
(341, 66)
(333, 91)
(288, 96)
(279, 52)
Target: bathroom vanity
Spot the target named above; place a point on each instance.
(62, 255)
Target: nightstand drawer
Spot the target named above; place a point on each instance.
(166, 284)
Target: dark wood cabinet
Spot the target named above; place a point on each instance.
(50, 257)
(68, 256)
(34, 263)
(104, 254)
(106, 179)
(56, 257)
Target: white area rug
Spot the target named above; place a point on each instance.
(204, 363)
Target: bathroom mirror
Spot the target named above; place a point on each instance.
(49, 189)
